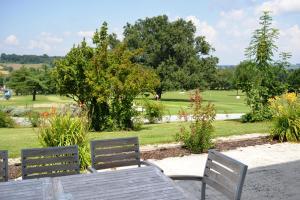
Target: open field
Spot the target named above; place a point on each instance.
(16, 66)
(15, 139)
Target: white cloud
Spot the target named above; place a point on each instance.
(86, 34)
(203, 28)
(279, 6)
(67, 33)
(11, 40)
(45, 41)
(289, 40)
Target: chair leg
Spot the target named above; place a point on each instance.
(203, 191)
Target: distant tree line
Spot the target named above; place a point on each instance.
(27, 59)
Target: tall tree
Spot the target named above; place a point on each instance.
(270, 76)
(181, 60)
(105, 80)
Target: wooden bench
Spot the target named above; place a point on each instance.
(50, 162)
(222, 173)
(3, 165)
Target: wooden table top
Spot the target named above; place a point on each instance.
(135, 183)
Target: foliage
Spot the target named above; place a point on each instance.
(34, 118)
(27, 59)
(65, 130)
(154, 110)
(265, 78)
(286, 117)
(30, 81)
(6, 120)
(179, 58)
(199, 138)
(104, 80)
(224, 79)
(294, 80)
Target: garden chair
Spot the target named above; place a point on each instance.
(3, 165)
(50, 162)
(114, 153)
(221, 173)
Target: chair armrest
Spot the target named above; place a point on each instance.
(92, 170)
(144, 162)
(186, 177)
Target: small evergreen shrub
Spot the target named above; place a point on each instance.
(257, 116)
(65, 130)
(154, 111)
(199, 138)
(286, 117)
(6, 121)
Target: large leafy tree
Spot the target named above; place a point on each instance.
(182, 60)
(104, 79)
(28, 81)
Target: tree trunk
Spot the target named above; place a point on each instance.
(33, 95)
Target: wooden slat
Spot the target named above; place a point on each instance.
(116, 164)
(116, 157)
(49, 151)
(225, 160)
(219, 187)
(4, 165)
(51, 160)
(225, 182)
(115, 142)
(50, 168)
(116, 150)
(234, 177)
(51, 175)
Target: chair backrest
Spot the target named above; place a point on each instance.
(50, 162)
(224, 174)
(3, 165)
(115, 153)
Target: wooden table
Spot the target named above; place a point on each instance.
(135, 183)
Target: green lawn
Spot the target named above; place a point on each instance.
(14, 139)
(225, 101)
(41, 100)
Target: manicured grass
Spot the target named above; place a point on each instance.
(15, 139)
(41, 101)
(225, 101)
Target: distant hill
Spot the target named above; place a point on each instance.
(27, 59)
(226, 66)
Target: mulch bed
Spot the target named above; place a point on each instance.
(15, 170)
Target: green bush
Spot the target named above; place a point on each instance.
(286, 117)
(154, 111)
(199, 138)
(34, 118)
(65, 130)
(257, 116)
(6, 121)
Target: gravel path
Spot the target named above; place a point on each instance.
(274, 170)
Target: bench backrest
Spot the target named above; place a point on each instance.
(115, 153)
(224, 174)
(3, 165)
(50, 162)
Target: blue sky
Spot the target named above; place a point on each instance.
(52, 27)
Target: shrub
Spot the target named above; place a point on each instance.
(199, 138)
(34, 119)
(154, 111)
(286, 117)
(6, 121)
(257, 116)
(65, 130)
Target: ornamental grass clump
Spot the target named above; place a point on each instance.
(198, 138)
(65, 130)
(286, 117)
